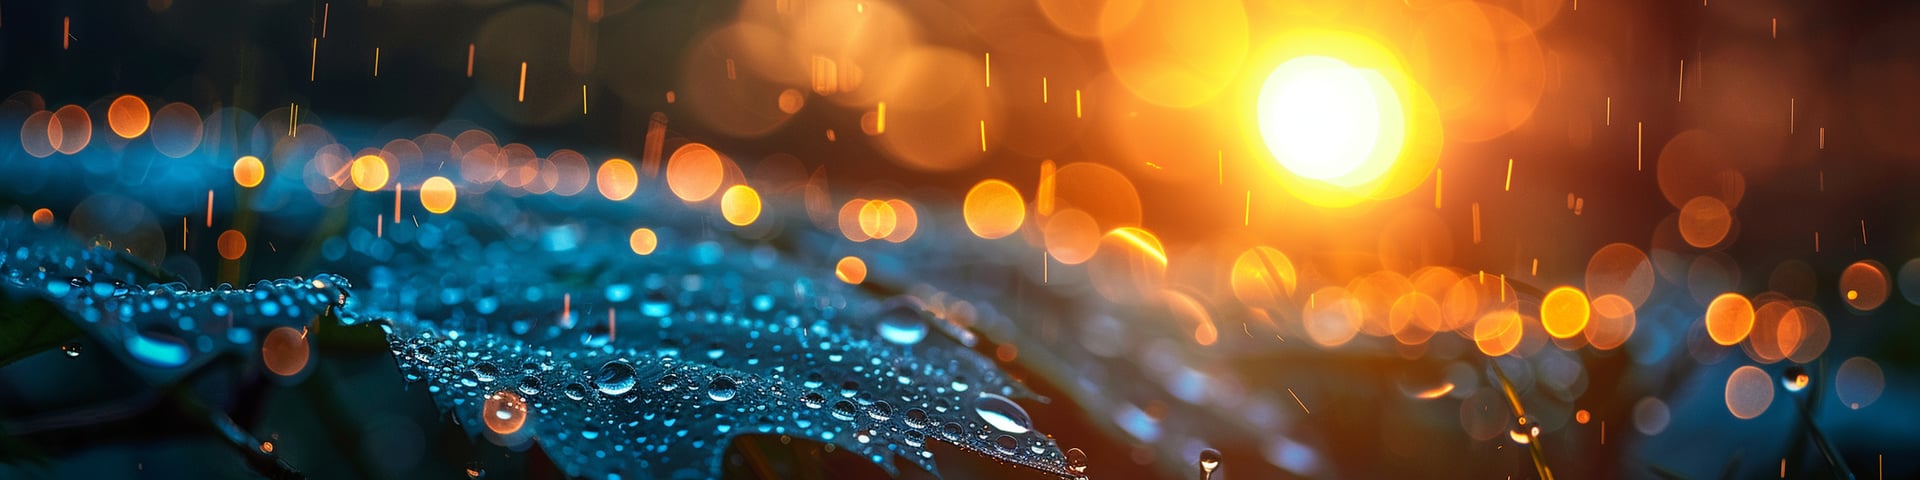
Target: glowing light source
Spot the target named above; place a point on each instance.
(438, 194)
(1341, 117)
(1326, 120)
(248, 171)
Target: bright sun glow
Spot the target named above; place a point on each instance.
(1326, 120)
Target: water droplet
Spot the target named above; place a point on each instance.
(813, 380)
(1209, 461)
(848, 389)
(1795, 378)
(1524, 430)
(1005, 443)
(504, 412)
(615, 378)
(1076, 461)
(1002, 413)
(71, 349)
(656, 304)
(530, 385)
(158, 350)
(903, 325)
(485, 372)
(575, 391)
(721, 389)
(960, 383)
(880, 410)
(844, 410)
(669, 382)
(813, 400)
(916, 418)
(475, 472)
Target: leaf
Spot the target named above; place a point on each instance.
(30, 325)
(615, 363)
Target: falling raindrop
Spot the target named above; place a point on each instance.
(616, 378)
(1002, 413)
(722, 388)
(1209, 461)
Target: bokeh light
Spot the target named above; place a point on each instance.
(993, 209)
(643, 241)
(127, 116)
(369, 173)
(1564, 312)
(1729, 318)
(740, 205)
(1859, 382)
(1749, 392)
(1864, 285)
(851, 270)
(616, 179)
(438, 194)
(232, 244)
(694, 172)
(248, 171)
(285, 351)
(1263, 277)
